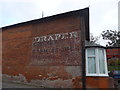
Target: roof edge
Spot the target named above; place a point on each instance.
(47, 18)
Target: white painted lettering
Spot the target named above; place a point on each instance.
(37, 39)
(64, 36)
(57, 36)
(73, 34)
(50, 38)
(43, 38)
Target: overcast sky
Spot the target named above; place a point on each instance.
(103, 13)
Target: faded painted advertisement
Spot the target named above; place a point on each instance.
(57, 49)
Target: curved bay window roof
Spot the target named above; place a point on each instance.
(92, 44)
(96, 64)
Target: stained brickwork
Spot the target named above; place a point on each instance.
(46, 51)
(99, 82)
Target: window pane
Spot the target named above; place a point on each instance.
(91, 65)
(101, 61)
(91, 51)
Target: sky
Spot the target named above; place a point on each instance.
(103, 13)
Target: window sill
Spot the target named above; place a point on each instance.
(97, 75)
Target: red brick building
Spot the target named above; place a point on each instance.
(113, 52)
(49, 52)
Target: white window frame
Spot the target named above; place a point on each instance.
(97, 63)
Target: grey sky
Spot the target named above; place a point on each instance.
(103, 13)
(119, 16)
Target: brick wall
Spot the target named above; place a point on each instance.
(99, 82)
(45, 52)
(113, 52)
(48, 52)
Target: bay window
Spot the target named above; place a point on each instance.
(96, 64)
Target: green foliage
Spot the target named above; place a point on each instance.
(112, 36)
(114, 64)
(111, 68)
(93, 38)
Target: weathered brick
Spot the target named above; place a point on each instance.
(54, 58)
